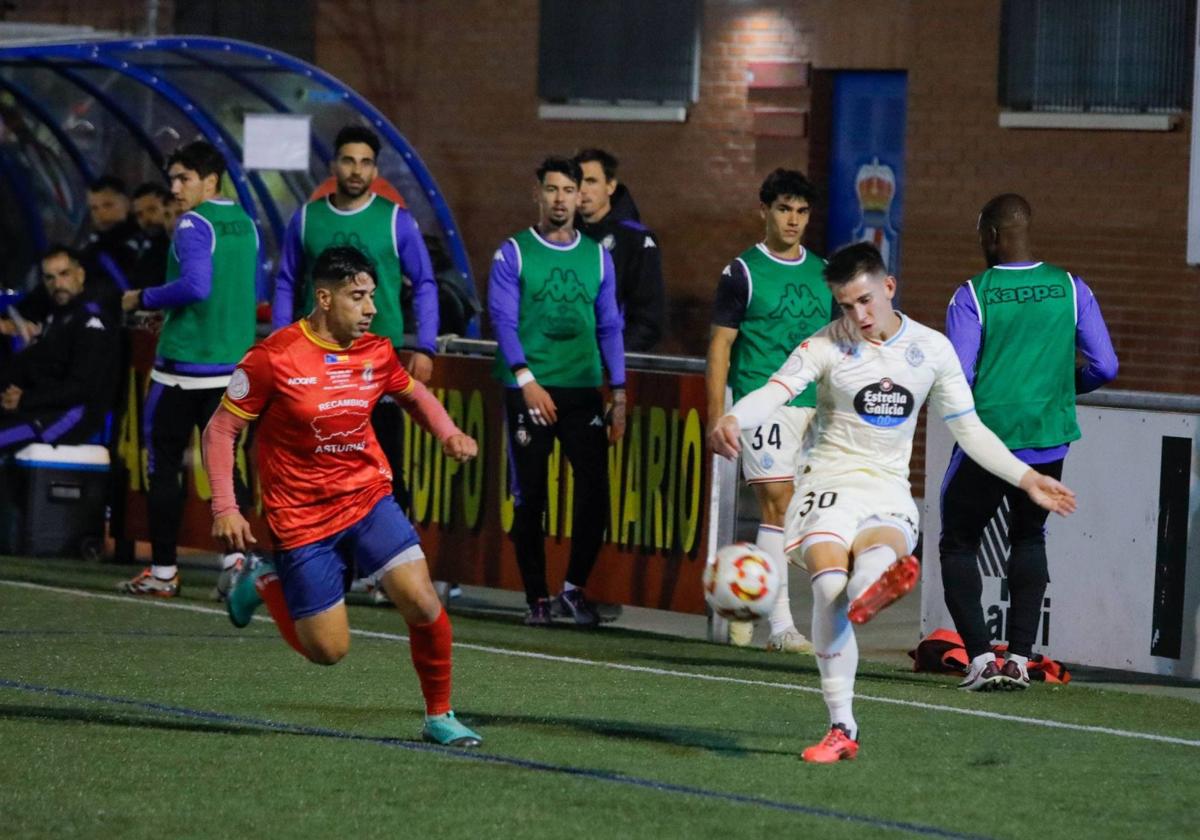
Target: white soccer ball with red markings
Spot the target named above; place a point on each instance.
(741, 582)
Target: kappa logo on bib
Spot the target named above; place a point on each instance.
(884, 403)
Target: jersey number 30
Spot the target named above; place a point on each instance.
(825, 500)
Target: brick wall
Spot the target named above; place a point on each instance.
(460, 80)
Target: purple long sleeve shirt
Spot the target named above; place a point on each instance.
(414, 263)
(193, 244)
(965, 331)
(504, 298)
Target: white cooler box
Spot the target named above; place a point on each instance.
(62, 493)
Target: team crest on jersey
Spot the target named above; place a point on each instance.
(608, 242)
(239, 385)
(767, 462)
(914, 356)
(368, 372)
(522, 436)
(884, 403)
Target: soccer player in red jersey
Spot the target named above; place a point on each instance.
(327, 487)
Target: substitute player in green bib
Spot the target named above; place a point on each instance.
(1016, 328)
(769, 299)
(553, 305)
(208, 306)
(387, 234)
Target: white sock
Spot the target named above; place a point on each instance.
(164, 572)
(228, 561)
(869, 566)
(770, 540)
(835, 646)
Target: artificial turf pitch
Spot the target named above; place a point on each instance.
(123, 718)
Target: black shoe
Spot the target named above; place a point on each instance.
(539, 614)
(572, 602)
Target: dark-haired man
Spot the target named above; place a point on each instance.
(111, 250)
(768, 299)
(553, 306)
(388, 235)
(636, 258)
(1016, 328)
(326, 484)
(152, 209)
(852, 522)
(208, 305)
(59, 389)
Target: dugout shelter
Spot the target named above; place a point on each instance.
(71, 111)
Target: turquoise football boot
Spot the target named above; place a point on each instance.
(449, 732)
(243, 598)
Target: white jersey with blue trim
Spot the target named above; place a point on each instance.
(870, 394)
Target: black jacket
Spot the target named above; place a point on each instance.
(73, 362)
(638, 263)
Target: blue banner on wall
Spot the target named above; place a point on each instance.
(866, 165)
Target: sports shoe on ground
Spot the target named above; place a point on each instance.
(837, 745)
(1013, 676)
(228, 574)
(896, 581)
(790, 640)
(449, 732)
(982, 677)
(574, 603)
(454, 591)
(741, 633)
(539, 614)
(145, 583)
(243, 598)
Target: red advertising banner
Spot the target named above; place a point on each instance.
(658, 488)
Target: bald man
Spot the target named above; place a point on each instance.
(1016, 328)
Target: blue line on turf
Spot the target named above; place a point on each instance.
(139, 634)
(486, 758)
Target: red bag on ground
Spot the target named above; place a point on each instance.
(943, 652)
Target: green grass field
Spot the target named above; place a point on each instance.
(121, 718)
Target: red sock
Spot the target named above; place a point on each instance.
(430, 648)
(271, 591)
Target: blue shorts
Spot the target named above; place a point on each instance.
(313, 575)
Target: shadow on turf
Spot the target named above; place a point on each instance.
(682, 737)
(778, 665)
(75, 715)
(676, 736)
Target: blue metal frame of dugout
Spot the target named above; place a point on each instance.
(76, 109)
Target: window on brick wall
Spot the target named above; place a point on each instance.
(618, 51)
(1099, 56)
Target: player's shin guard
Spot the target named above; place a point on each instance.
(770, 540)
(430, 648)
(835, 646)
(271, 591)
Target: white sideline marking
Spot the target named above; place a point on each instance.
(643, 669)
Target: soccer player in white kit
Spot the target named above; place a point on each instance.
(852, 522)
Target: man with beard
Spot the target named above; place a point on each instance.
(552, 301)
(388, 236)
(152, 203)
(59, 389)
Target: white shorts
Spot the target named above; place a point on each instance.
(774, 450)
(838, 508)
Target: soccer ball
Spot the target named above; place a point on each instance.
(741, 582)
